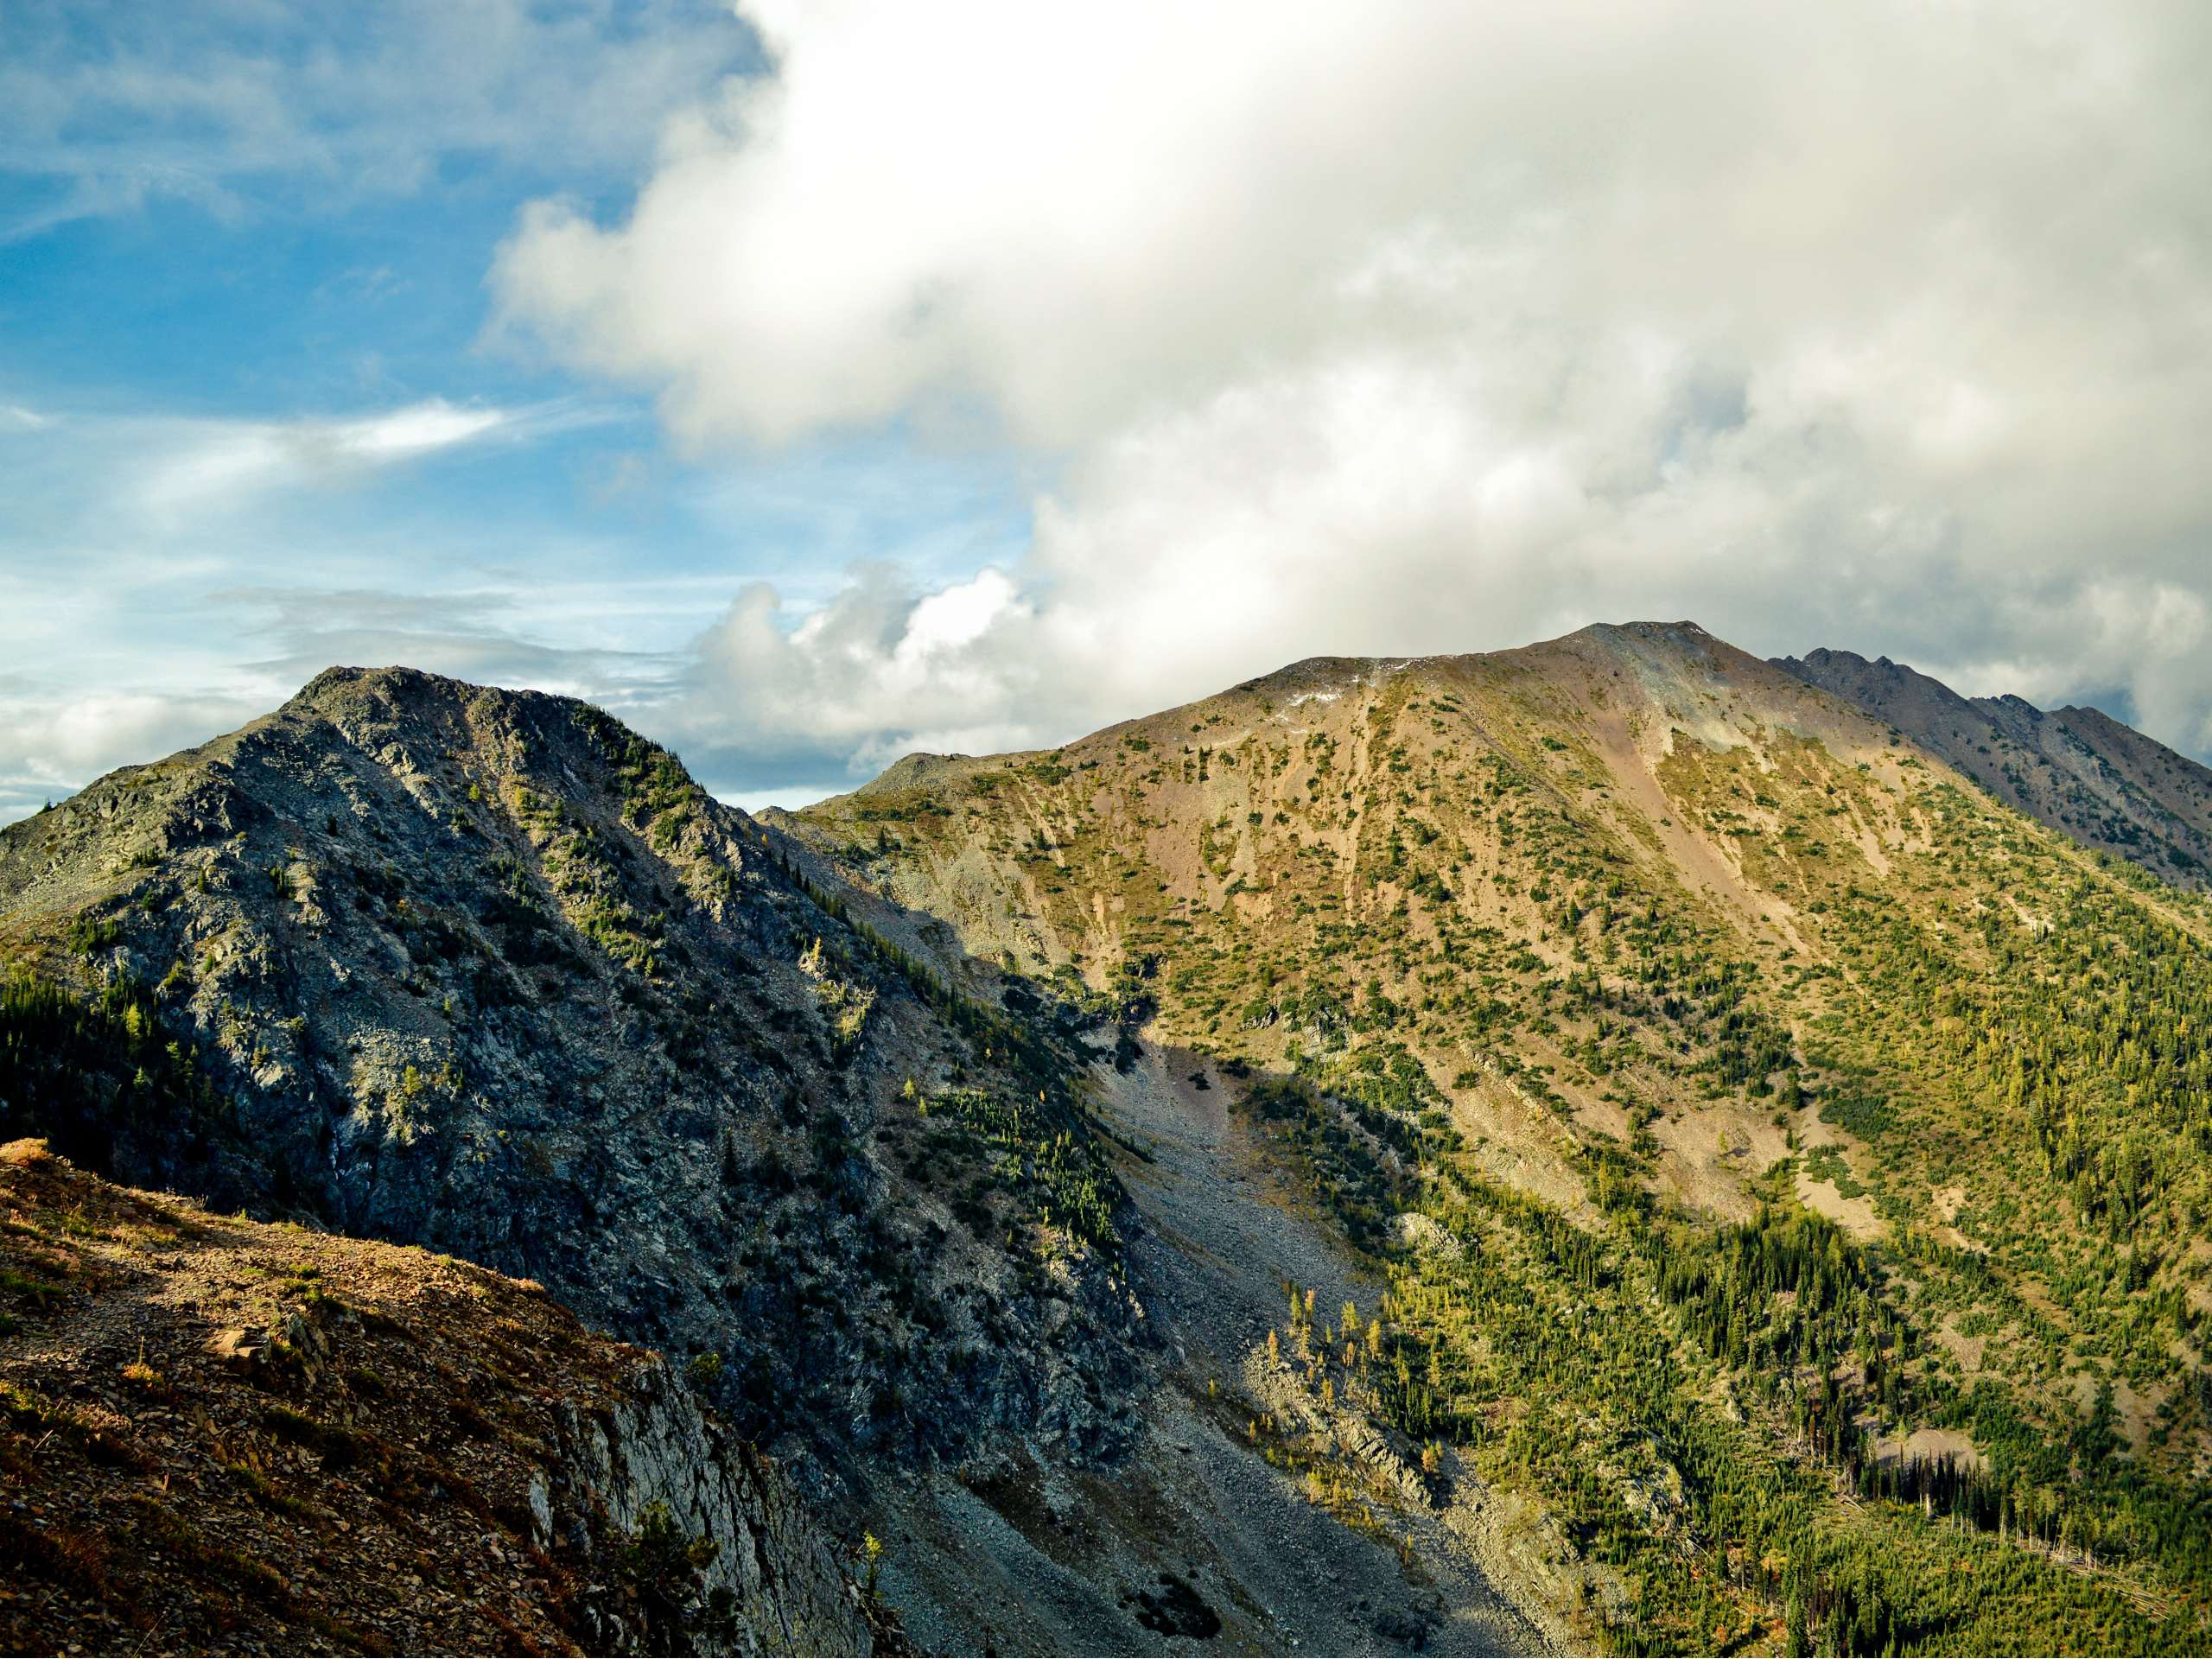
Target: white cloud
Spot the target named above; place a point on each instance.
(195, 464)
(1408, 328)
(952, 664)
(412, 431)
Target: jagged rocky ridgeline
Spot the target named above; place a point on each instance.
(2078, 770)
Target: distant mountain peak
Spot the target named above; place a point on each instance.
(2078, 770)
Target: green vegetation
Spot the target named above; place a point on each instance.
(1963, 1409)
(663, 1568)
(585, 874)
(1055, 1175)
(84, 1073)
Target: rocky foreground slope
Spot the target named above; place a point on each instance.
(221, 1435)
(2077, 770)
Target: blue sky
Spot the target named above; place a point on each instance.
(254, 417)
(810, 382)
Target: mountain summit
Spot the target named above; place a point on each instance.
(1677, 1031)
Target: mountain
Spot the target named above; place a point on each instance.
(1743, 1108)
(2077, 770)
(1602, 1145)
(486, 973)
(222, 1434)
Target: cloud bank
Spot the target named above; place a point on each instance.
(1403, 328)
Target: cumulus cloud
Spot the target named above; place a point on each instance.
(1403, 328)
(953, 664)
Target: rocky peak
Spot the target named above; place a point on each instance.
(485, 970)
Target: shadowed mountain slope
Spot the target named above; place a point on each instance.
(485, 971)
(2077, 770)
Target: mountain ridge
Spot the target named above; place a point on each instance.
(1606, 953)
(1697, 1136)
(2074, 768)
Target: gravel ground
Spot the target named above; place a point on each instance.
(1197, 1544)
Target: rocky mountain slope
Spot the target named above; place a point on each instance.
(484, 972)
(1769, 1142)
(224, 1435)
(2077, 770)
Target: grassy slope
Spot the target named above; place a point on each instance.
(1591, 951)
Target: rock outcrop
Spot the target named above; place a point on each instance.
(223, 1435)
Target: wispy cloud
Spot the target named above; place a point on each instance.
(194, 463)
(233, 105)
(494, 635)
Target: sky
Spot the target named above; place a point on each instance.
(811, 383)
